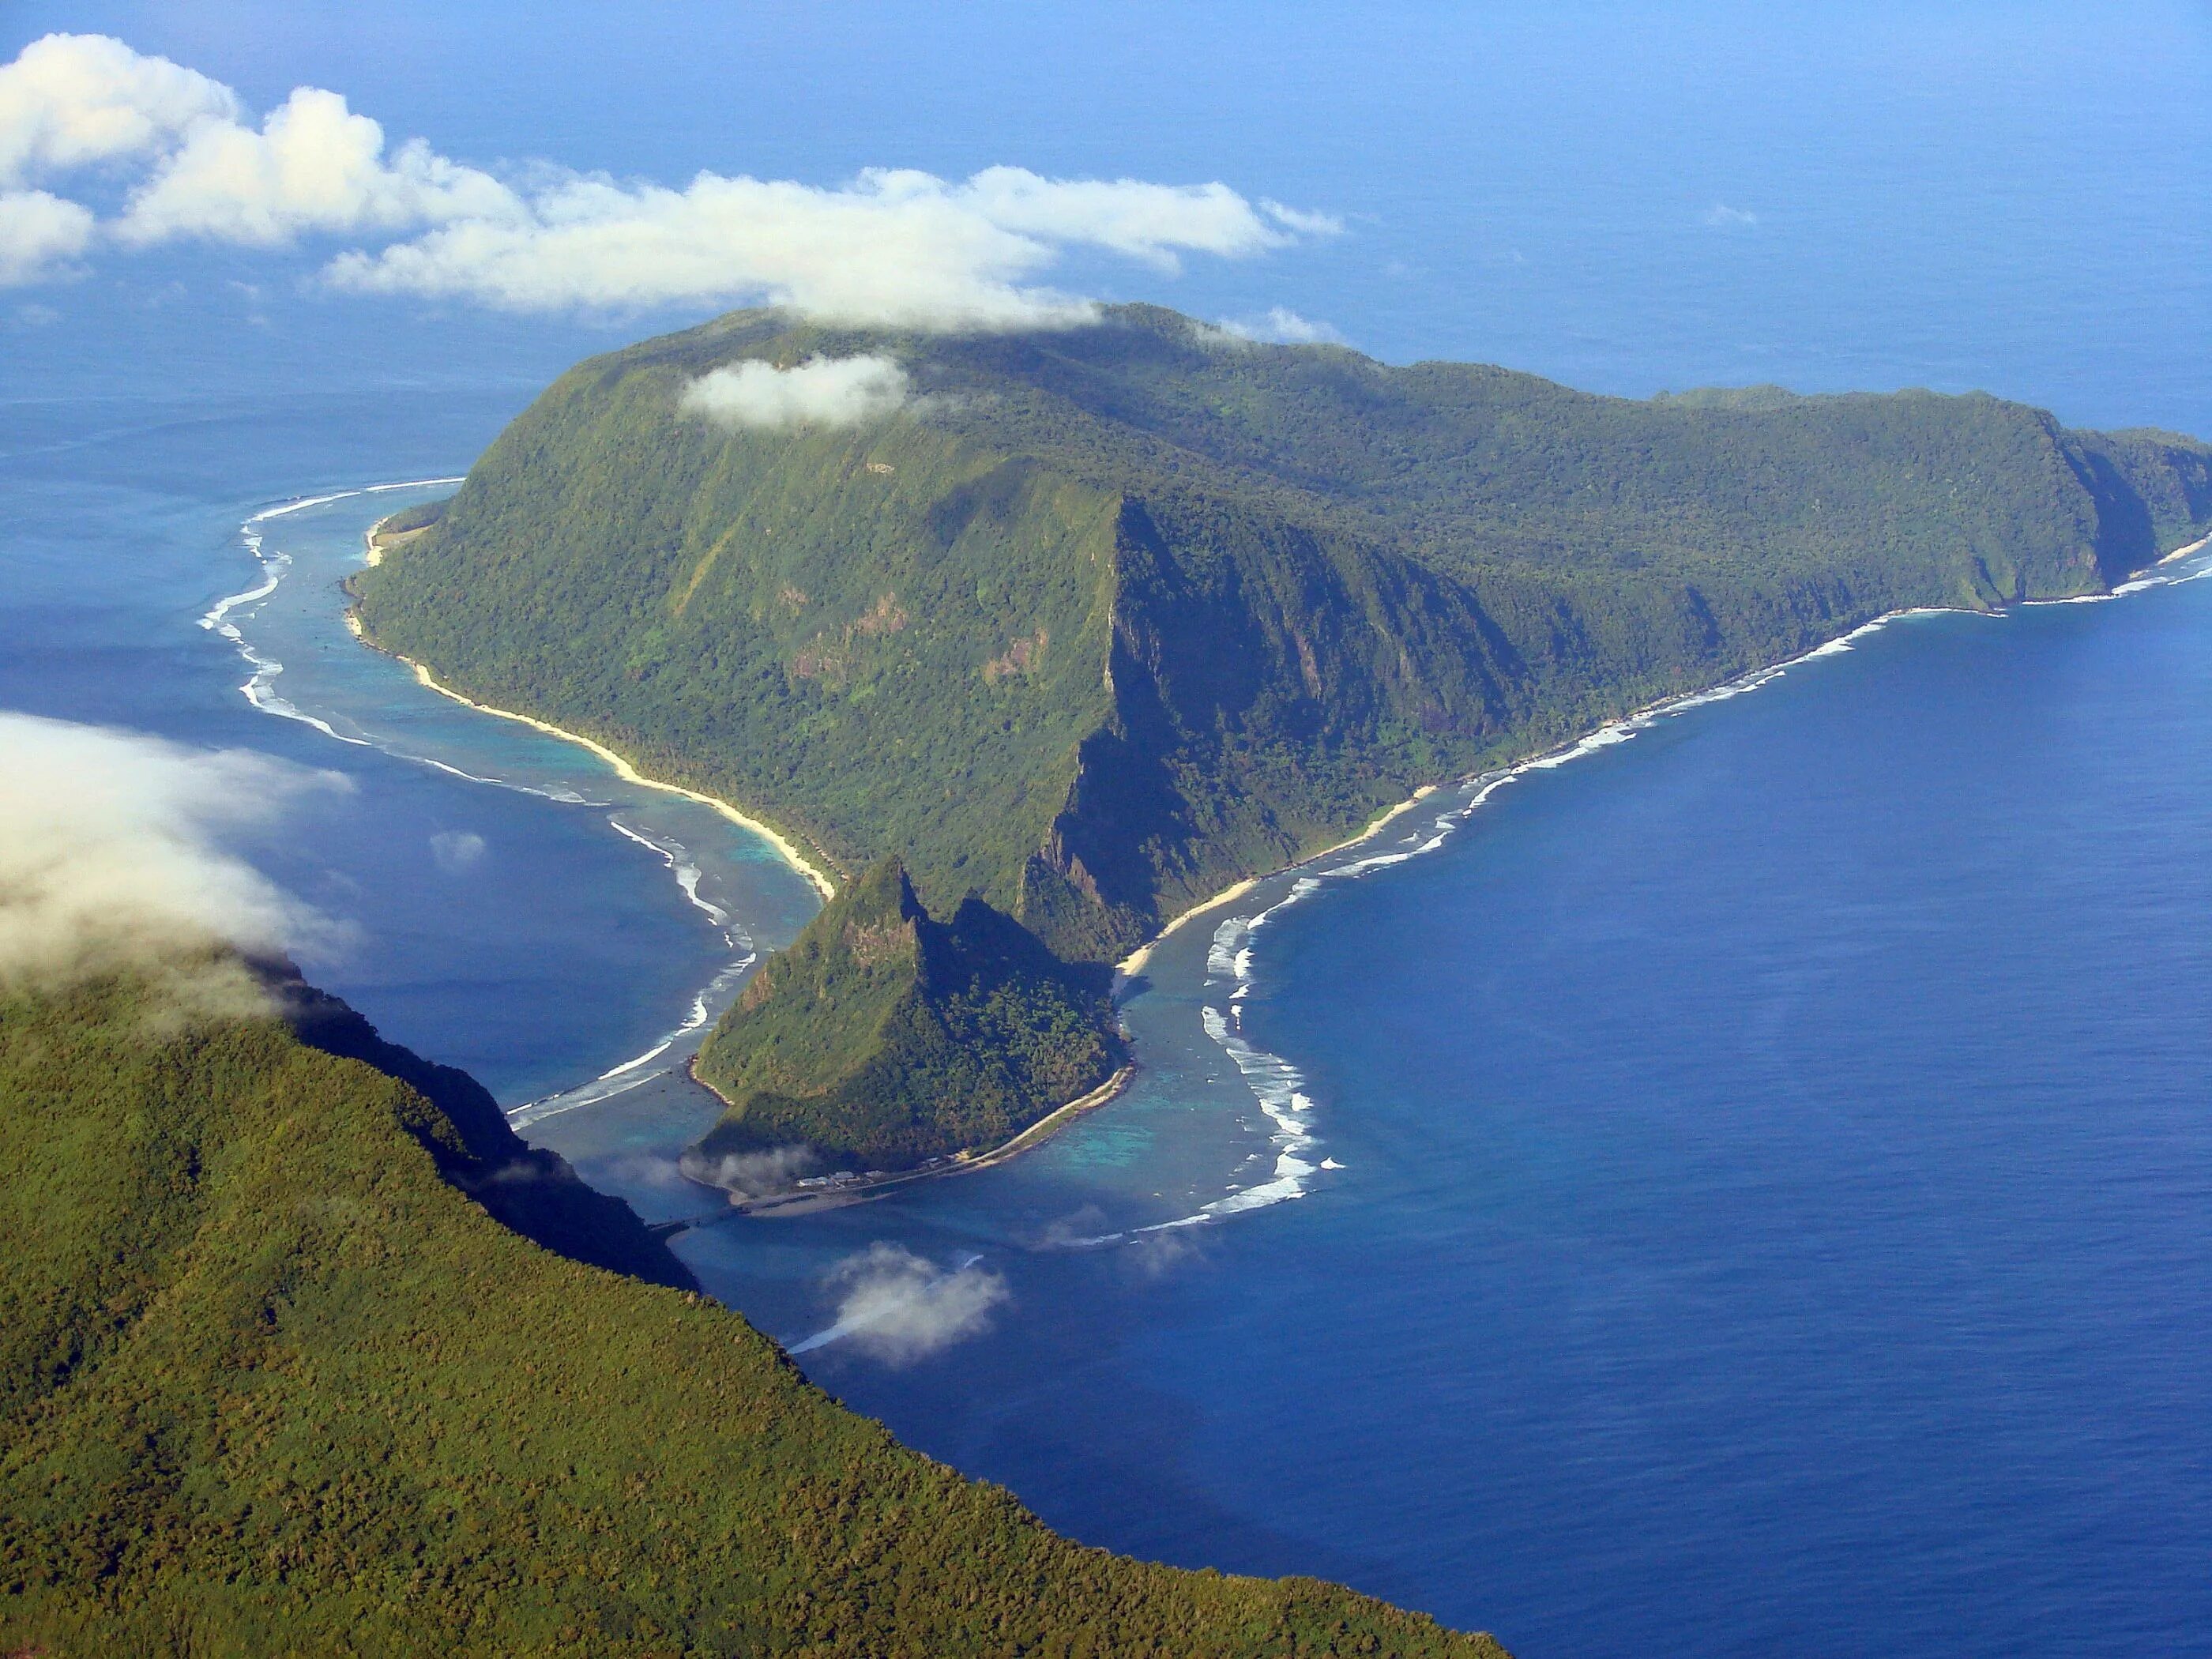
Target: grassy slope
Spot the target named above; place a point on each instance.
(269, 1385)
(883, 1037)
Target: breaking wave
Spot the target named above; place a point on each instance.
(228, 618)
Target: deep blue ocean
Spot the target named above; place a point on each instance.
(1747, 1189)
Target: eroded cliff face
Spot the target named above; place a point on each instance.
(1271, 684)
(1104, 619)
(1108, 617)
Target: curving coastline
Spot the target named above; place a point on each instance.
(785, 847)
(1614, 731)
(1624, 725)
(788, 1204)
(1133, 963)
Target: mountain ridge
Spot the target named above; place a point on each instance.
(272, 1381)
(1105, 619)
(877, 1008)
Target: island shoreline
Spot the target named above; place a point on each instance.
(1749, 679)
(788, 1204)
(786, 847)
(792, 1203)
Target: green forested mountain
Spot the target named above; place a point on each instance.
(1113, 615)
(271, 1384)
(1105, 618)
(884, 1038)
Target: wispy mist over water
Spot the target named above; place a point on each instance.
(897, 1307)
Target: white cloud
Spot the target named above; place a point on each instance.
(39, 235)
(1280, 326)
(69, 101)
(820, 391)
(751, 1175)
(892, 247)
(1302, 223)
(899, 1307)
(109, 852)
(314, 165)
(1721, 216)
(1152, 222)
(895, 248)
(456, 852)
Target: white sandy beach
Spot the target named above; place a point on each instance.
(621, 768)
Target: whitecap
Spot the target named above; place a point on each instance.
(678, 859)
(591, 1094)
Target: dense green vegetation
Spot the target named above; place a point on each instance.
(530, 1189)
(1109, 617)
(884, 1038)
(421, 516)
(270, 1385)
(1118, 613)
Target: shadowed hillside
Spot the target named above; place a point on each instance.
(271, 1384)
(1102, 619)
(884, 1038)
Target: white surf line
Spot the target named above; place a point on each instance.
(589, 1094)
(1277, 1085)
(618, 1079)
(629, 774)
(256, 691)
(673, 853)
(258, 688)
(2142, 580)
(678, 857)
(306, 502)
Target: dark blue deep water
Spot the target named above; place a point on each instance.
(1756, 1178)
(1777, 1204)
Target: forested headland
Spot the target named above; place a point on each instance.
(1097, 621)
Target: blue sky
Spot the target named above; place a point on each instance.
(1627, 197)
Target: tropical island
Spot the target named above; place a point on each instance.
(1037, 640)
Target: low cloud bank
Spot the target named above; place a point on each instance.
(898, 1307)
(820, 391)
(1280, 326)
(893, 245)
(753, 1174)
(110, 855)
